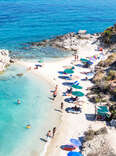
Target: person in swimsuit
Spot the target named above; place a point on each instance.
(48, 135)
(54, 131)
(54, 94)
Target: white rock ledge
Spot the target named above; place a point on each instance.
(4, 59)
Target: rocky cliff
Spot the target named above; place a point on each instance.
(108, 37)
(4, 59)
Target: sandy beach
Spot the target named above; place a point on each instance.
(71, 125)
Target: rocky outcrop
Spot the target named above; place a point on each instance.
(99, 146)
(4, 59)
(109, 36)
(70, 41)
(109, 61)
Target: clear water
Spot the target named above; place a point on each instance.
(23, 21)
(35, 109)
(33, 20)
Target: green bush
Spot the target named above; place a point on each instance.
(101, 131)
(97, 99)
(89, 135)
(112, 74)
(104, 100)
(19, 74)
(108, 33)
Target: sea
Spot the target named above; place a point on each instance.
(23, 21)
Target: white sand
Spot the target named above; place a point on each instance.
(72, 125)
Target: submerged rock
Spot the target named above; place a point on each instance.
(19, 74)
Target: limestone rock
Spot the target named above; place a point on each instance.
(4, 59)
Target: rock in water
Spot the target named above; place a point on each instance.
(4, 59)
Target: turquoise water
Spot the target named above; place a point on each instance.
(33, 20)
(35, 109)
(23, 21)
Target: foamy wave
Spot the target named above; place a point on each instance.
(45, 148)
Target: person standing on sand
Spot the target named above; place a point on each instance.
(49, 135)
(54, 131)
(62, 105)
(77, 57)
(54, 94)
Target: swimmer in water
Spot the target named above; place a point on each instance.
(28, 126)
(18, 101)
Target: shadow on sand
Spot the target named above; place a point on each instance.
(44, 140)
(90, 117)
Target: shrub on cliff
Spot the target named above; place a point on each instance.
(102, 130)
(89, 135)
(109, 61)
(112, 110)
(109, 35)
(99, 76)
(111, 75)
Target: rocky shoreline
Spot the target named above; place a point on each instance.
(72, 40)
(68, 42)
(5, 59)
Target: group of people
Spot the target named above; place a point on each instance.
(51, 134)
(69, 91)
(75, 56)
(77, 108)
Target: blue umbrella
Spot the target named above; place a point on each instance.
(77, 86)
(84, 60)
(37, 64)
(90, 74)
(77, 93)
(76, 142)
(68, 71)
(76, 83)
(74, 154)
(41, 61)
(89, 62)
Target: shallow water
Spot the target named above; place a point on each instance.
(35, 109)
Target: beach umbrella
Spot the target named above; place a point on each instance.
(84, 60)
(89, 62)
(41, 61)
(74, 154)
(76, 83)
(76, 142)
(37, 65)
(102, 110)
(76, 86)
(100, 49)
(90, 74)
(77, 93)
(68, 71)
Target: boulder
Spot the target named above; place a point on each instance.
(4, 59)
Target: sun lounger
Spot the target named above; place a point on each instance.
(72, 110)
